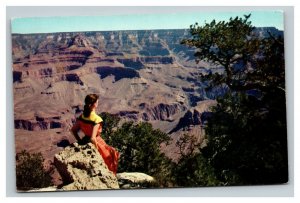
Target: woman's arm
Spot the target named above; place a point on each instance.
(94, 134)
(75, 129)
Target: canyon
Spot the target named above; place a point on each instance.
(139, 75)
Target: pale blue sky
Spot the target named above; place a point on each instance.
(138, 21)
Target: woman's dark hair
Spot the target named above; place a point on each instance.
(89, 101)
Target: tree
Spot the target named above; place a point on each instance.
(192, 169)
(139, 147)
(110, 123)
(30, 171)
(247, 135)
(226, 44)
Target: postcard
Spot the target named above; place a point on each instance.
(149, 101)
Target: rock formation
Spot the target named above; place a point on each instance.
(195, 115)
(82, 168)
(135, 180)
(191, 124)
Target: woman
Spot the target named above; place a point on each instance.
(91, 125)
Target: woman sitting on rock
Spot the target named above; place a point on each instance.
(91, 125)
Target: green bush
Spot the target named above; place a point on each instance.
(139, 147)
(30, 172)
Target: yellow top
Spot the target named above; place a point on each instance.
(93, 117)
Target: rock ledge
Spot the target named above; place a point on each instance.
(82, 168)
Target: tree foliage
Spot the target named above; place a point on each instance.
(229, 44)
(30, 171)
(222, 42)
(110, 123)
(139, 146)
(247, 143)
(192, 169)
(247, 135)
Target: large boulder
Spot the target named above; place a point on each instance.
(135, 180)
(82, 168)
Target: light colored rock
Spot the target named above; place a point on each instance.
(82, 168)
(135, 180)
(46, 189)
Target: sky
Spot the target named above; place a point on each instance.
(138, 21)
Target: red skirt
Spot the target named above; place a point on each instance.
(109, 154)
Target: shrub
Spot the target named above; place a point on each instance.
(139, 146)
(30, 171)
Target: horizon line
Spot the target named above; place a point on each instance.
(121, 30)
